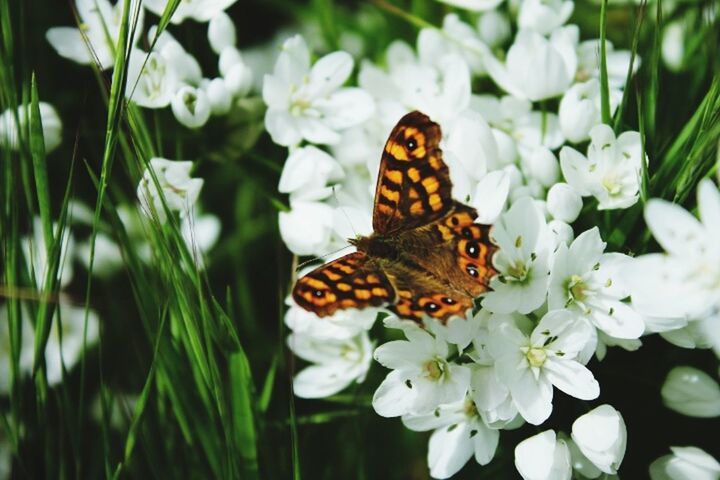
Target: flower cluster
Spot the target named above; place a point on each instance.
(168, 75)
(531, 156)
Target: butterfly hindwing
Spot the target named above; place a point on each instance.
(413, 186)
(352, 281)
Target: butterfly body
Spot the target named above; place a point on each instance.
(426, 255)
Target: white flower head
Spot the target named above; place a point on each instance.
(684, 282)
(309, 103)
(580, 109)
(543, 457)
(601, 436)
(336, 363)
(307, 172)
(191, 106)
(51, 126)
(307, 228)
(685, 463)
(691, 392)
(544, 16)
(97, 36)
(523, 260)
(178, 188)
(474, 5)
(35, 251)
(588, 282)
(564, 203)
(455, 37)
(611, 170)
(530, 366)
(198, 10)
(422, 378)
(459, 434)
(618, 63)
(342, 325)
(537, 68)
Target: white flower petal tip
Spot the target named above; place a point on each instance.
(51, 126)
(601, 436)
(691, 392)
(543, 457)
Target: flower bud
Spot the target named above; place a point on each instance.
(494, 28)
(306, 228)
(239, 80)
(691, 392)
(561, 231)
(229, 57)
(191, 107)
(543, 166)
(543, 457)
(673, 45)
(218, 96)
(601, 436)
(51, 126)
(685, 463)
(563, 202)
(221, 32)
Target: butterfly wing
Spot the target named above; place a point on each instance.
(413, 186)
(352, 281)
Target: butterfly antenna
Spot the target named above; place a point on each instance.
(347, 217)
(297, 269)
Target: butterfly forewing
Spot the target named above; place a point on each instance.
(352, 281)
(413, 186)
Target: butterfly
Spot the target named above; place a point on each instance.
(426, 256)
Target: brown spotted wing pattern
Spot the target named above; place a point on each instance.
(426, 256)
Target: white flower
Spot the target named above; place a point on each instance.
(179, 190)
(198, 10)
(494, 28)
(221, 32)
(588, 281)
(200, 233)
(65, 343)
(601, 436)
(51, 126)
(474, 5)
(673, 45)
(306, 229)
(618, 63)
(541, 164)
(100, 24)
(335, 363)
(154, 78)
(459, 433)
(544, 16)
(191, 106)
(342, 325)
(523, 260)
(237, 74)
(35, 251)
(530, 366)
(561, 233)
(685, 463)
(309, 103)
(307, 172)
(611, 170)
(543, 457)
(456, 37)
(219, 96)
(684, 282)
(580, 109)
(108, 256)
(563, 202)
(517, 127)
(490, 196)
(422, 377)
(691, 392)
(537, 68)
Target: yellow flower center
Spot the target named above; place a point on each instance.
(536, 356)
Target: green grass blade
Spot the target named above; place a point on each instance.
(37, 150)
(604, 84)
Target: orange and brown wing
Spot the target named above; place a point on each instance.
(352, 281)
(413, 186)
